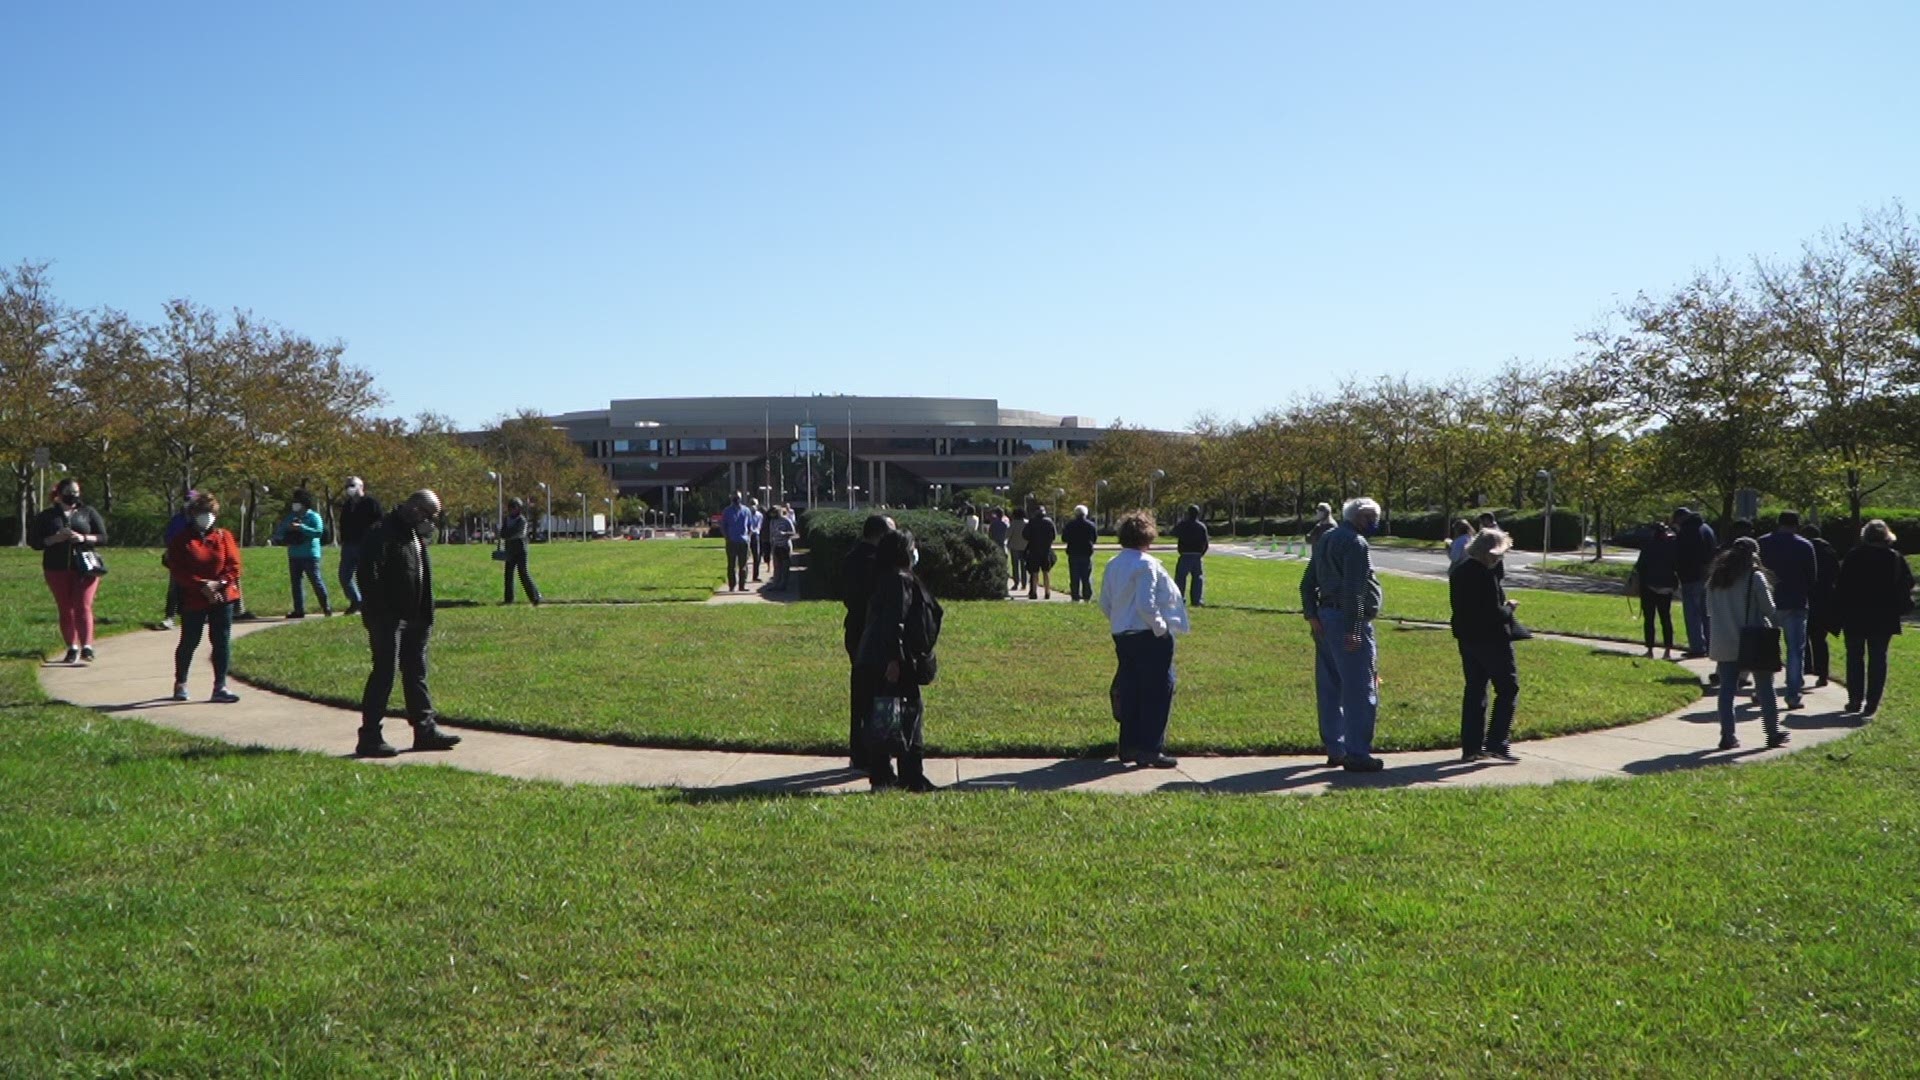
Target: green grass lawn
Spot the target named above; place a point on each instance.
(1015, 678)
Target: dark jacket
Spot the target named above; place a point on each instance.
(513, 533)
(1479, 602)
(1694, 549)
(856, 589)
(1796, 569)
(1823, 611)
(85, 519)
(356, 516)
(1875, 589)
(1080, 536)
(396, 575)
(1656, 567)
(889, 636)
(1040, 535)
(1192, 534)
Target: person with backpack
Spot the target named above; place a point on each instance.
(301, 531)
(856, 590)
(897, 652)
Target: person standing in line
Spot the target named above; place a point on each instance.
(1145, 611)
(1040, 534)
(65, 534)
(1658, 581)
(1693, 549)
(176, 525)
(756, 524)
(1322, 525)
(1017, 548)
(204, 563)
(736, 529)
(396, 607)
(300, 531)
(1740, 596)
(1463, 532)
(1795, 568)
(973, 518)
(896, 650)
(780, 531)
(1874, 590)
(856, 591)
(1080, 535)
(357, 513)
(1341, 598)
(1481, 619)
(1191, 541)
(513, 534)
(997, 531)
(1823, 616)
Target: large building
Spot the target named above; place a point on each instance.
(897, 451)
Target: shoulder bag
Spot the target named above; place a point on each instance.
(1759, 644)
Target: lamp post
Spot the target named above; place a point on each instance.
(852, 491)
(1152, 477)
(1059, 502)
(680, 511)
(546, 527)
(1546, 523)
(499, 501)
(582, 496)
(1098, 487)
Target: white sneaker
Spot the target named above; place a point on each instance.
(179, 691)
(166, 624)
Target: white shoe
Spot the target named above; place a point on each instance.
(166, 624)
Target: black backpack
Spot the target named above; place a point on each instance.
(924, 615)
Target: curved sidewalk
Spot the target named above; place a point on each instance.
(133, 679)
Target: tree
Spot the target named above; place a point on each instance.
(114, 373)
(34, 373)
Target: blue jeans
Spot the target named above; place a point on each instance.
(1349, 700)
(309, 570)
(1693, 607)
(1794, 622)
(1191, 565)
(1142, 693)
(349, 571)
(1762, 692)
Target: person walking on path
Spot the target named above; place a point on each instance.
(1795, 569)
(1017, 548)
(756, 522)
(1823, 614)
(1874, 590)
(1080, 535)
(1694, 546)
(300, 531)
(357, 513)
(1191, 542)
(897, 652)
(780, 532)
(397, 610)
(1740, 597)
(1145, 611)
(1481, 621)
(66, 534)
(1040, 534)
(176, 525)
(1342, 597)
(1657, 580)
(856, 591)
(736, 528)
(513, 535)
(204, 563)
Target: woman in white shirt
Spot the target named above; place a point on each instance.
(1145, 611)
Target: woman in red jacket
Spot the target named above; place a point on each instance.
(205, 563)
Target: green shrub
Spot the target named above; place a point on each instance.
(955, 564)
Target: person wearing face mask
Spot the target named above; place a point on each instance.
(65, 534)
(396, 607)
(204, 563)
(1482, 628)
(1341, 597)
(300, 531)
(359, 512)
(897, 653)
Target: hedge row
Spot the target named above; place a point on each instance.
(955, 564)
(1524, 526)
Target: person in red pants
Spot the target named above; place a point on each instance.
(66, 535)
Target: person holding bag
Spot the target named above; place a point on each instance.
(204, 563)
(66, 535)
(1740, 594)
(897, 653)
(1482, 622)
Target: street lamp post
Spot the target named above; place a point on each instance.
(1152, 477)
(547, 526)
(1059, 502)
(582, 496)
(499, 501)
(1546, 523)
(1098, 487)
(680, 510)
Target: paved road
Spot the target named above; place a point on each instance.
(1522, 567)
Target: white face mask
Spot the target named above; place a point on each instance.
(299, 508)
(203, 521)
(913, 558)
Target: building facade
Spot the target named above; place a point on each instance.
(825, 449)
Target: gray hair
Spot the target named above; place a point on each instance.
(1488, 545)
(1323, 512)
(1877, 532)
(1080, 510)
(1353, 508)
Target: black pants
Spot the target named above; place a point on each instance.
(1080, 576)
(517, 561)
(1819, 657)
(173, 597)
(217, 622)
(860, 689)
(1484, 662)
(1866, 667)
(407, 643)
(1654, 604)
(758, 552)
(910, 751)
(1142, 693)
(736, 564)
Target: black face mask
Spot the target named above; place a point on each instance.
(423, 529)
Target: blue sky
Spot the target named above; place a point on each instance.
(1141, 211)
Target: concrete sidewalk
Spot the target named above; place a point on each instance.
(133, 680)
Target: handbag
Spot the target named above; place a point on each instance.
(88, 562)
(1759, 645)
(887, 725)
(1517, 631)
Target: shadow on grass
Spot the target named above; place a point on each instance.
(200, 752)
(811, 783)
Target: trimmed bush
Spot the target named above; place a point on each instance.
(955, 564)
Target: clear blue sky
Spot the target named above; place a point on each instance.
(1120, 210)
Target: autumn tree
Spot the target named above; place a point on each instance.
(34, 374)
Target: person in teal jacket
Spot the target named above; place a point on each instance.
(300, 532)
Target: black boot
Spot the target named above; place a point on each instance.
(428, 736)
(372, 745)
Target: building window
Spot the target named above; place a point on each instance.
(1037, 445)
(692, 446)
(973, 446)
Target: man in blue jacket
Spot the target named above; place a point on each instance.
(1693, 548)
(1796, 573)
(1341, 596)
(736, 527)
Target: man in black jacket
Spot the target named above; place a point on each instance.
(856, 589)
(1482, 628)
(1079, 535)
(1694, 546)
(358, 512)
(513, 537)
(396, 606)
(1191, 533)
